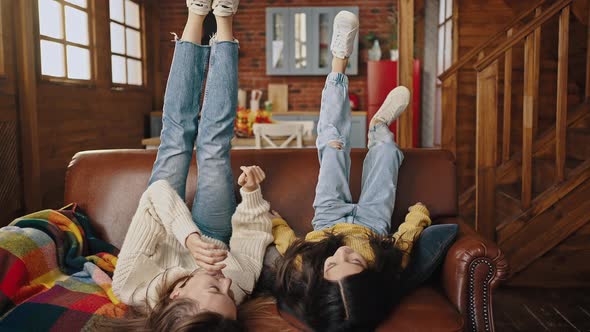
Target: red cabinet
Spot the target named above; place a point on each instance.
(381, 79)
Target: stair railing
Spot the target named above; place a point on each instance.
(487, 101)
(449, 78)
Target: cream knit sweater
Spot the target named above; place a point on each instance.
(154, 255)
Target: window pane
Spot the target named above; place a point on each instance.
(50, 18)
(78, 63)
(116, 10)
(117, 38)
(324, 41)
(133, 43)
(52, 59)
(441, 12)
(448, 44)
(81, 3)
(300, 40)
(76, 26)
(449, 8)
(441, 50)
(119, 70)
(278, 41)
(134, 72)
(132, 14)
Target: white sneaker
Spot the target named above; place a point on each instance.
(225, 7)
(199, 7)
(346, 27)
(394, 105)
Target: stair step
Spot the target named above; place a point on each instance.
(507, 206)
(578, 143)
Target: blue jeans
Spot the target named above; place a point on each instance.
(333, 201)
(214, 202)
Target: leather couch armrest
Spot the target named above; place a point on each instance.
(473, 268)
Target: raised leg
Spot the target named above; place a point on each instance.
(215, 199)
(181, 106)
(381, 166)
(333, 201)
(380, 173)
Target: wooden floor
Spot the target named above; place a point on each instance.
(534, 309)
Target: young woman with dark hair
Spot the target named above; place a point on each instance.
(175, 269)
(345, 275)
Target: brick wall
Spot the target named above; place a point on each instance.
(250, 29)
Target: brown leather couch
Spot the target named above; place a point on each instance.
(108, 185)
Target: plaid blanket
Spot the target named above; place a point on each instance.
(55, 275)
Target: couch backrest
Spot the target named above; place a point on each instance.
(108, 184)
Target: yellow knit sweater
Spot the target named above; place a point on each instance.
(357, 236)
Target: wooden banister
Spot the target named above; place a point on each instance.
(527, 122)
(497, 36)
(561, 117)
(507, 116)
(522, 33)
(486, 150)
(537, 73)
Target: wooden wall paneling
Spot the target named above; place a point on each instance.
(507, 112)
(154, 47)
(527, 122)
(25, 41)
(406, 67)
(587, 90)
(486, 150)
(449, 119)
(562, 82)
(11, 184)
(96, 115)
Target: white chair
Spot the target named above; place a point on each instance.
(307, 126)
(269, 131)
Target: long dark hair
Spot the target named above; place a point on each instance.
(357, 302)
(178, 315)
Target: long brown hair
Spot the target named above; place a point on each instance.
(181, 315)
(357, 302)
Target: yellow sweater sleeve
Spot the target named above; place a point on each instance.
(408, 232)
(283, 235)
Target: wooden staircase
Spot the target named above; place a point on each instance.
(531, 173)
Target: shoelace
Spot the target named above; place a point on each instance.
(226, 4)
(202, 4)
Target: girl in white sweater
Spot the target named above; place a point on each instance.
(175, 268)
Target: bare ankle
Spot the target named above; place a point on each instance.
(224, 28)
(339, 65)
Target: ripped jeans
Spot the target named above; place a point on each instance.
(182, 130)
(333, 200)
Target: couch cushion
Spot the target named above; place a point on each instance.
(428, 254)
(108, 184)
(425, 309)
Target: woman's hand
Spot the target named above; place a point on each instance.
(206, 254)
(251, 178)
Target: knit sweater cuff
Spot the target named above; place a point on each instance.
(253, 201)
(419, 208)
(279, 222)
(216, 242)
(182, 227)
